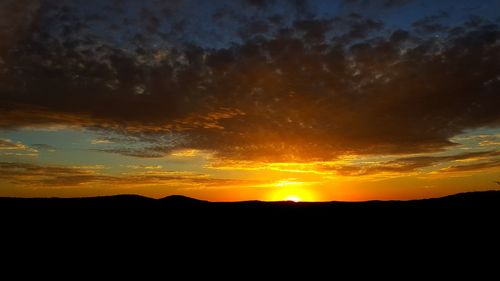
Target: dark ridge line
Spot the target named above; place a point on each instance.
(186, 199)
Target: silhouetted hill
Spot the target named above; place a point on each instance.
(167, 221)
(179, 207)
(475, 200)
(181, 200)
(178, 214)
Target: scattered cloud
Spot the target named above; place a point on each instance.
(43, 147)
(394, 3)
(487, 140)
(146, 167)
(7, 144)
(305, 89)
(377, 3)
(33, 175)
(101, 141)
(481, 166)
(142, 152)
(16, 17)
(431, 24)
(10, 148)
(490, 143)
(407, 165)
(185, 153)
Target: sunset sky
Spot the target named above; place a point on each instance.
(231, 100)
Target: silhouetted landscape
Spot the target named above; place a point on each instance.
(123, 223)
(177, 208)
(293, 102)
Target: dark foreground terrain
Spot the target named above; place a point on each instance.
(180, 210)
(177, 226)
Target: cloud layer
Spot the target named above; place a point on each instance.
(471, 161)
(33, 175)
(288, 88)
(9, 148)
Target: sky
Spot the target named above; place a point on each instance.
(249, 99)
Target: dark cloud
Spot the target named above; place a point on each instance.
(314, 30)
(302, 7)
(378, 3)
(395, 3)
(399, 36)
(431, 24)
(16, 17)
(276, 19)
(361, 28)
(306, 89)
(259, 3)
(254, 28)
(474, 21)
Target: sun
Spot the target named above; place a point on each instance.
(293, 198)
(291, 190)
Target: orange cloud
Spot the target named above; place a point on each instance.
(26, 174)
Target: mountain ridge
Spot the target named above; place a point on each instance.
(181, 216)
(182, 198)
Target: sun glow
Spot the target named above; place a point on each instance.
(283, 183)
(291, 190)
(293, 198)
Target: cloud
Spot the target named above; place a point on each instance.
(7, 144)
(430, 24)
(305, 89)
(15, 115)
(490, 142)
(10, 148)
(101, 141)
(492, 163)
(377, 3)
(144, 152)
(394, 3)
(33, 175)
(185, 153)
(405, 165)
(361, 28)
(147, 167)
(43, 146)
(16, 17)
(258, 3)
(314, 30)
(479, 140)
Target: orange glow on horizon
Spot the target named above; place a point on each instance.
(291, 190)
(293, 198)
